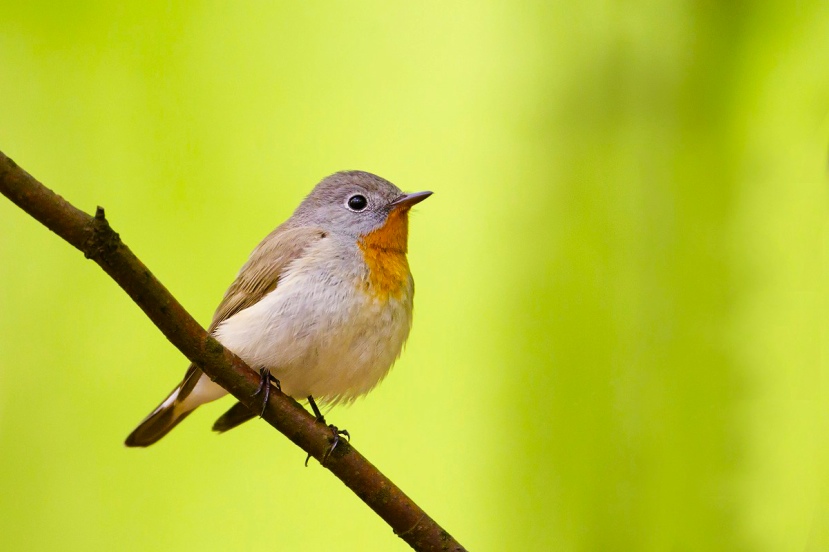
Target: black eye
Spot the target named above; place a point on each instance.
(357, 203)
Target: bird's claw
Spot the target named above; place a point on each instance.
(334, 440)
(265, 380)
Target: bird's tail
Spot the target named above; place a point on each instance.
(161, 420)
(196, 389)
(237, 415)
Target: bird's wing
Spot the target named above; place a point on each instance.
(258, 277)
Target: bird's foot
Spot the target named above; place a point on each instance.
(334, 440)
(335, 433)
(265, 381)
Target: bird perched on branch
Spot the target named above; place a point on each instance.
(323, 304)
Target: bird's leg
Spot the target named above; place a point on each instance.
(315, 408)
(336, 432)
(265, 380)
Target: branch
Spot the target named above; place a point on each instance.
(99, 242)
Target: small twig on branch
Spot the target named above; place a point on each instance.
(99, 242)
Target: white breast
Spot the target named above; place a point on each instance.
(319, 332)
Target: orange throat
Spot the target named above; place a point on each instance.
(384, 251)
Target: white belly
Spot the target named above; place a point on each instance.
(320, 335)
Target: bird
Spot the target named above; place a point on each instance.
(323, 304)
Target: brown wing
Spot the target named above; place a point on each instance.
(258, 277)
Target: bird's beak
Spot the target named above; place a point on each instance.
(408, 200)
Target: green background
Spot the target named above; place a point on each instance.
(620, 337)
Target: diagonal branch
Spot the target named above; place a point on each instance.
(99, 242)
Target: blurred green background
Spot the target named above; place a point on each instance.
(620, 337)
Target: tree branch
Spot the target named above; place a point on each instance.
(99, 242)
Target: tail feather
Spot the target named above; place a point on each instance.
(238, 414)
(160, 421)
(196, 389)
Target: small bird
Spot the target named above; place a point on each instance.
(323, 304)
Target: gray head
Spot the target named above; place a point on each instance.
(353, 203)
